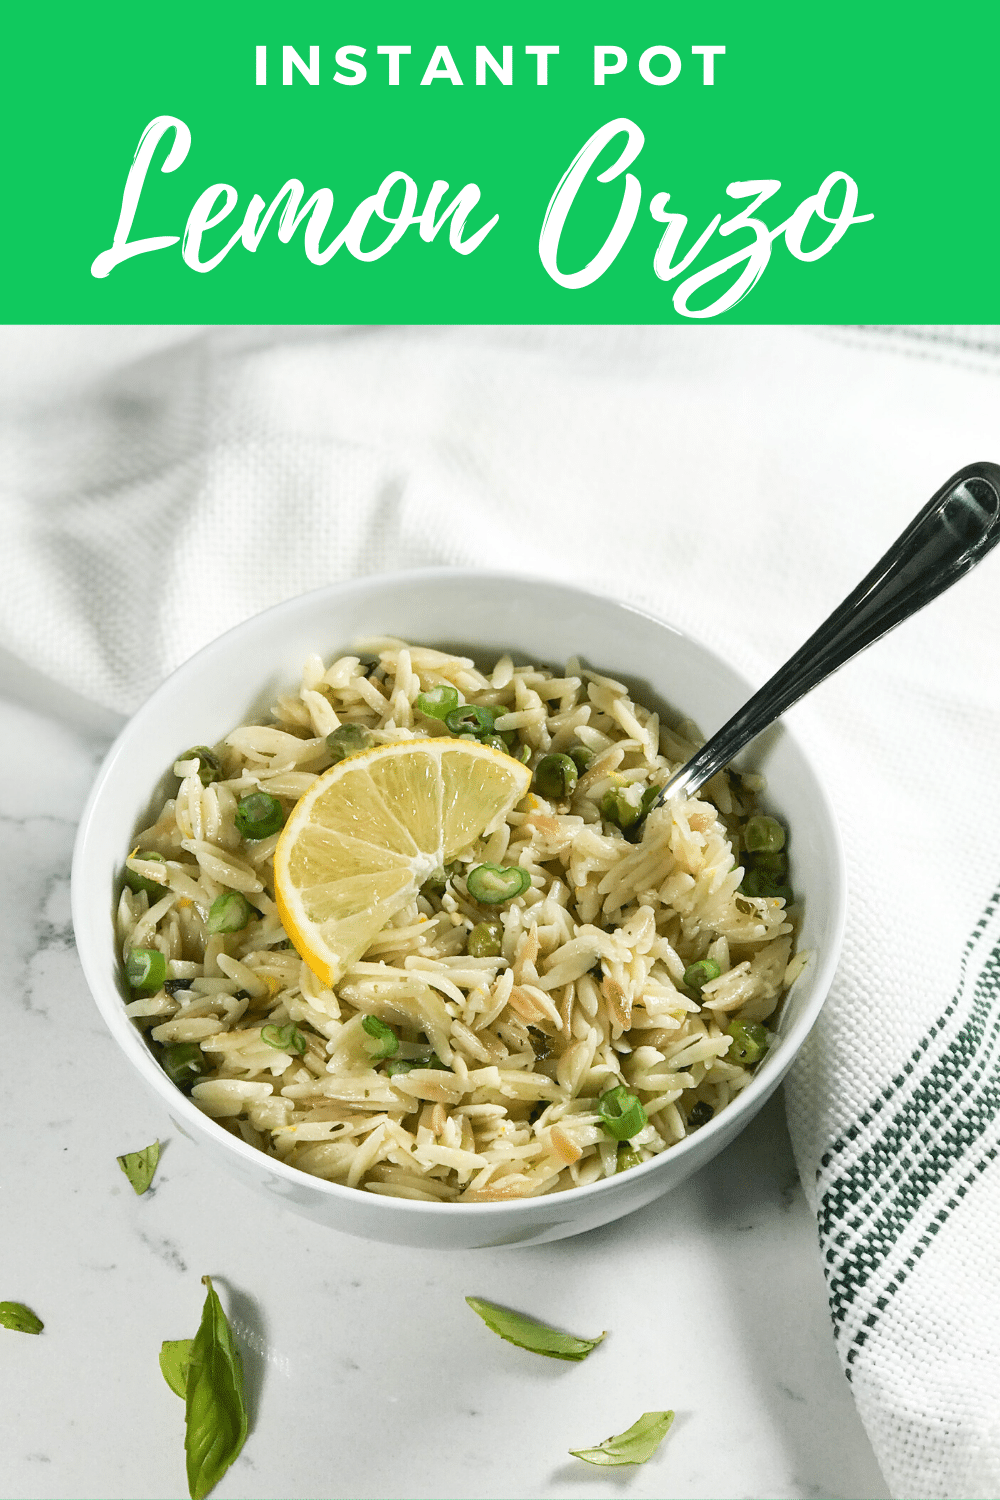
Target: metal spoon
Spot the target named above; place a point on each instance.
(953, 532)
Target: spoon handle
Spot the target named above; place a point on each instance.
(953, 532)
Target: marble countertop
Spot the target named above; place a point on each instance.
(367, 1373)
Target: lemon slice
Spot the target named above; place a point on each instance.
(370, 831)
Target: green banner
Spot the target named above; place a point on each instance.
(561, 163)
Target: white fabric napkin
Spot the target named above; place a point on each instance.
(737, 481)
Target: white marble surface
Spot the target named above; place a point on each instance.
(368, 1374)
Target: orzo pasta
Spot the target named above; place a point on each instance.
(595, 995)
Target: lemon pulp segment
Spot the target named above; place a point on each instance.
(368, 833)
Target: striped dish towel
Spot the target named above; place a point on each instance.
(160, 486)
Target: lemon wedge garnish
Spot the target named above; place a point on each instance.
(364, 838)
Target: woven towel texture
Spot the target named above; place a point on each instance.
(736, 481)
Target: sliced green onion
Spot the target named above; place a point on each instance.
(647, 799)
(437, 881)
(523, 754)
(348, 739)
(485, 940)
(284, 1039)
(407, 1064)
(621, 1113)
(750, 1042)
(696, 976)
(493, 885)
(145, 970)
(581, 757)
(763, 835)
(230, 912)
(137, 882)
(472, 718)
(209, 764)
(384, 1039)
(438, 702)
(184, 1063)
(699, 1114)
(259, 815)
(555, 777)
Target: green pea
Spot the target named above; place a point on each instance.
(230, 912)
(384, 1043)
(628, 1156)
(209, 764)
(259, 815)
(773, 864)
(555, 777)
(485, 940)
(347, 740)
(137, 882)
(184, 1063)
(617, 808)
(763, 835)
(494, 885)
(750, 1042)
(696, 976)
(495, 743)
(145, 970)
(581, 757)
(761, 883)
(633, 831)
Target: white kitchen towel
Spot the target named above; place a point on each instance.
(164, 484)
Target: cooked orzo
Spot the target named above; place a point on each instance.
(581, 986)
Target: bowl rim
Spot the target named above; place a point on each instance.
(127, 1035)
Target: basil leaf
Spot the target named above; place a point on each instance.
(175, 1356)
(139, 1166)
(632, 1447)
(527, 1333)
(20, 1318)
(215, 1413)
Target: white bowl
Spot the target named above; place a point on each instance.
(236, 678)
